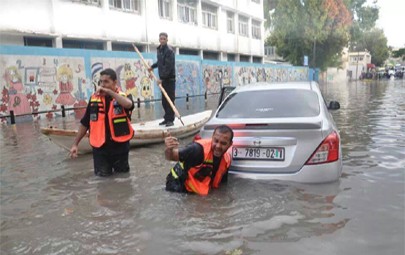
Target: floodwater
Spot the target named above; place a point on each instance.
(54, 205)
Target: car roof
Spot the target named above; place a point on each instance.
(304, 85)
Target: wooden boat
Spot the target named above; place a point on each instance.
(148, 132)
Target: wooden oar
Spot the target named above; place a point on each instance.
(160, 85)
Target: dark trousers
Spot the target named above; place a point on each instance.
(106, 163)
(170, 88)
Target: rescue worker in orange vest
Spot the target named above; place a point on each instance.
(202, 164)
(108, 119)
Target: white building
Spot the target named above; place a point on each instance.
(357, 63)
(226, 30)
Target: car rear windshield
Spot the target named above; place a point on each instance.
(270, 104)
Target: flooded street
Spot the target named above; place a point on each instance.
(51, 204)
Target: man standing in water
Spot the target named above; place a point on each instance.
(108, 119)
(167, 74)
(202, 164)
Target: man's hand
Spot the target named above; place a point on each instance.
(103, 91)
(171, 151)
(73, 151)
(171, 142)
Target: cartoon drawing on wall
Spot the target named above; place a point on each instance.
(138, 65)
(65, 77)
(187, 78)
(130, 79)
(14, 93)
(80, 105)
(31, 76)
(146, 85)
(46, 79)
(210, 81)
(227, 79)
(47, 99)
(96, 68)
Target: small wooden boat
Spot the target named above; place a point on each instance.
(145, 132)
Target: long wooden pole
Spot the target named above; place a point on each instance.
(160, 85)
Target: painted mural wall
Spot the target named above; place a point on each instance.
(35, 79)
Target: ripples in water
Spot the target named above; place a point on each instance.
(54, 205)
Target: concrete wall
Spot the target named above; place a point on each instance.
(41, 79)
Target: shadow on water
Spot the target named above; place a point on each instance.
(53, 205)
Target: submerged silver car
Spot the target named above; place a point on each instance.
(282, 131)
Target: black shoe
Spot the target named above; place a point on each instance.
(164, 122)
(169, 124)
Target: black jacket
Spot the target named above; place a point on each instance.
(165, 62)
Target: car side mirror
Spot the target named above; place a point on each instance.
(334, 105)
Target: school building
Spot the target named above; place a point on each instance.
(225, 30)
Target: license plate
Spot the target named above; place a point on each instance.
(273, 153)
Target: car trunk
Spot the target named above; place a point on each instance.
(276, 147)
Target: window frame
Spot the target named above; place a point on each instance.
(256, 30)
(133, 6)
(230, 22)
(90, 2)
(186, 12)
(209, 15)
(164, 9)
(243, 26)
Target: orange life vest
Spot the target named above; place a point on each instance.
(120, 125)
(199, 185)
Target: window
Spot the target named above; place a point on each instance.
(210, 55)
(93, 2)
(188, 52)
(126, 5)
(231, 57)
(269, 50)
(256, 31)
(230, 22)
(79, 44)
(125, 47)
(243, 26)
(187, 11)
(284, 103)
(37, 41)
(209, 16)
(164, 9)
(257, 60)
(244, 58)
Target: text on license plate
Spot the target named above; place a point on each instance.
(258, 153)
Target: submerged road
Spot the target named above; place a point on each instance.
(54, 205)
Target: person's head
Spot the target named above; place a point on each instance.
(163, 38)
(108, 79)
(221, 140)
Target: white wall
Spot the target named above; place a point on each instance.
(69, 19)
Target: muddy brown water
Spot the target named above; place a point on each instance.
(54, 205)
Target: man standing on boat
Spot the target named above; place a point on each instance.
(167, 74)
(108, 119)
(202, 164)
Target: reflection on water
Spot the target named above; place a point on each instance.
(53, 205)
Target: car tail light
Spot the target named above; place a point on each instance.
(197, 137)
(327, 152)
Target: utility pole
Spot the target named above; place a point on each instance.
(357, 65)
(314, 57)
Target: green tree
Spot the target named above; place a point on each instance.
(399, 54)
(375, 42)
(364, 19)
(316, 28)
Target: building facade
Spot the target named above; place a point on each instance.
(357, 63)
(226, 30)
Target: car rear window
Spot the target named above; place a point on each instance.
(270, 104)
